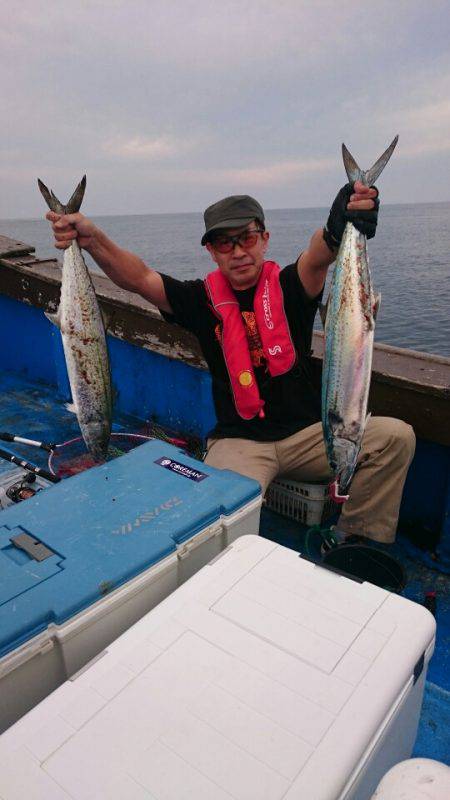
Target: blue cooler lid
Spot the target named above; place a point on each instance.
(102, 527)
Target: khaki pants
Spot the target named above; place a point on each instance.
(376, 490)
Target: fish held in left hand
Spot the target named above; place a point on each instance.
(83, 334)
(349, 322)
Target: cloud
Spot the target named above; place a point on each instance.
(278, 173)
(195, 98)
(140, 147)
(153, 149)
(425, 129)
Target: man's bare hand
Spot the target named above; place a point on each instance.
(67, 227)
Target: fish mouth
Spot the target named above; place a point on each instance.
(345, 476)
(343, 461)
(99, 456)
(336, 493)
(97, 444)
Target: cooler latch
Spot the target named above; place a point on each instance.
(198, 539)
(32, 546)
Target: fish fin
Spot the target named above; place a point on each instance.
(53, 318)
(74, 204)
(55, 205)
(376, 305)
(71, 407)
(54, 198)
(367, 418)
(323, 310)
(354, 172)
(373, 173)
(368, 178)
(52, 201)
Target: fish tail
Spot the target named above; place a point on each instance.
(368, 177)
(72, 206)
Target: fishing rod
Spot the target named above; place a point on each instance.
(13, 459)
(63, 456)
(68, 458)
(10, 437)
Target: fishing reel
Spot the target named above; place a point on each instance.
(16, 487)
(23, 490)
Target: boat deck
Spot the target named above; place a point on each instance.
(33, 410)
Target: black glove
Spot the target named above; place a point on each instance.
(364, 221)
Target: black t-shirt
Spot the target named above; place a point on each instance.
(291, 400)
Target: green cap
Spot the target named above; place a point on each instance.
(231, 212)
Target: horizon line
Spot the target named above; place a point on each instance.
(178, 213)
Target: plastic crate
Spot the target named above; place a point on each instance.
(308, 503)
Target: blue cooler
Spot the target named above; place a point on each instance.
(83, 560)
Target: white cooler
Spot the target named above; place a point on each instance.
(83, 560)
(263, 677)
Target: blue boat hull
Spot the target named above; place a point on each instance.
(151, 386)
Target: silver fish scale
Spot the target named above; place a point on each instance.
(85, 351)
(349, 332)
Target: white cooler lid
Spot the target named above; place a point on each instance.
(263, 677)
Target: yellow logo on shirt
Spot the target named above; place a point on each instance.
(245, 378)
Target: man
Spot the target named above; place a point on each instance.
(268, 410)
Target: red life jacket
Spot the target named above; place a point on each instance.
(273, 330)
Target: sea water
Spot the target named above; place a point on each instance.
(409, 258)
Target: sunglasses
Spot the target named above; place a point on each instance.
(226, 244)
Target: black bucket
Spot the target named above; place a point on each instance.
(367, 564)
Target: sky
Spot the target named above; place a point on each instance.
(168, 107)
